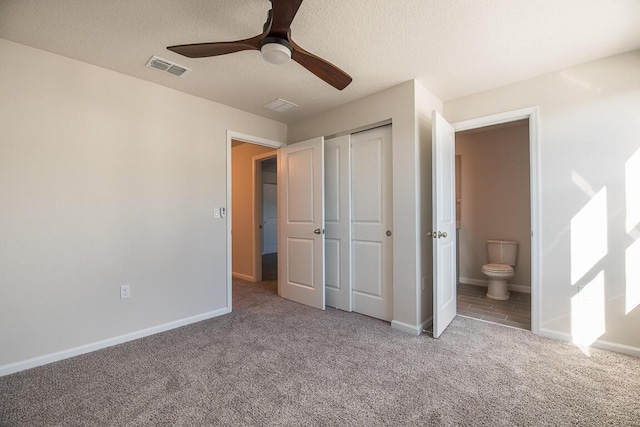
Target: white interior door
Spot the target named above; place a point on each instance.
(301, 202)
(444, 224)
(337, 222)
(269, 218)
(371, 220)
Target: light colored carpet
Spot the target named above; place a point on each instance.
(275, 362)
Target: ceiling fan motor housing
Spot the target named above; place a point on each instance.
(275, 50)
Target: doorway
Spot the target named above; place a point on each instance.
(245, 155)
(266, 213)
(247, 206)
(493, 202)
(530, 115)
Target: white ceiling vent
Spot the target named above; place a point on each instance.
(168, 66)
(279, 105)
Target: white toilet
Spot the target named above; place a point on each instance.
(502, 259)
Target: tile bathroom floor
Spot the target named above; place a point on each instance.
(473, 302)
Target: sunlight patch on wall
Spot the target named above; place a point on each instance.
(632, 187)
(589, 236)
(587, 313)
(582, 184)
(633, 276)
(582, 83)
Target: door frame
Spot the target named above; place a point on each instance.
(256, 210)
(532, 114)
(232, 135)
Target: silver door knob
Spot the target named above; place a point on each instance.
(317, 231)
(441, 234)
(388, 232)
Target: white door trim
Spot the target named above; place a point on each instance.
(231, 135)
(531, 113)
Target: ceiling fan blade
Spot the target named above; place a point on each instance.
(321, 68)
(202, 50)
(283, 13)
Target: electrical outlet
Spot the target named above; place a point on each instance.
(223, 212)
(125, 291)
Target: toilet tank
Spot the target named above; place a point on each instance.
(502, 251)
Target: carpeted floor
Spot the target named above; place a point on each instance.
(275, 362)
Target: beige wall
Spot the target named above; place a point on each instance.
(104, 180)
(589, 136)
(495, 198)
(408, 106)
(242, 205)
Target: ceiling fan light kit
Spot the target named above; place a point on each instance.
(275, 50)
(275, 44)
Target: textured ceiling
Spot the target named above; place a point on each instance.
(453, 47)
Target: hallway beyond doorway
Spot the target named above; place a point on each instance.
(270, 267)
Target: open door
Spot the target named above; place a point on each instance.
(301, 230)
(444, 224)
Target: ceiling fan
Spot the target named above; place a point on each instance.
(275, 44)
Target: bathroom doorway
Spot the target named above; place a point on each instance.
(493, 202)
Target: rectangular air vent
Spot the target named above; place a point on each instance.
(279, 105)
(168, 66)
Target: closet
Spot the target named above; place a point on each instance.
(335, 223)
(358, 223)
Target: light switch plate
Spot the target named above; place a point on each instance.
(216, 213)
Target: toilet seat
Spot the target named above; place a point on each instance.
(497, 268)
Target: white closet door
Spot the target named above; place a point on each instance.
(301, 202)
(337, 222)
(371, 221)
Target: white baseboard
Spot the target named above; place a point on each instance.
(405, 327)
(484, 283)
(243, 276)
(88, 348)
(604, 345)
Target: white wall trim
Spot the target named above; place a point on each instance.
(531, 113)
(405, 327)
(98, 345)
(485, 283)
(231, 135)
(604, 345)
(246, 277)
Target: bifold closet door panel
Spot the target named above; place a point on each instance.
(371, 223)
